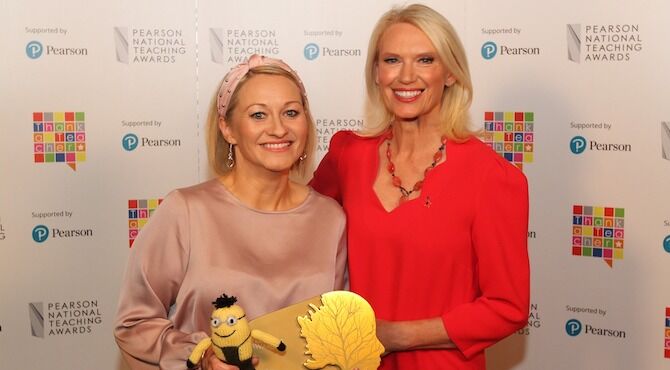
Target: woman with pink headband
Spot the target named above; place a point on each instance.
(251, 232)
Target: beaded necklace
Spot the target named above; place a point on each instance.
(404, 193)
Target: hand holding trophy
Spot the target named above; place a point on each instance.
(336, 330)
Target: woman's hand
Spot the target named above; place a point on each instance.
(415, 334)
(211, 362)
(391, 336)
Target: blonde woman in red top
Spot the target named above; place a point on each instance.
(437, 221)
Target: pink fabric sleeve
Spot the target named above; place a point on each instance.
(499, 237)
(156, 267)
(341, 274)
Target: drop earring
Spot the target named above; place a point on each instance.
(231, 161)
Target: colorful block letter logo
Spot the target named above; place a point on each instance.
(510, 134)
(59, 137)
(667, 332)
(139, 211)
(598, 232)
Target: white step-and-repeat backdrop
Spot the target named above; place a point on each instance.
(103, 113)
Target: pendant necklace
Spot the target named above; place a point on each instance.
(404, 192)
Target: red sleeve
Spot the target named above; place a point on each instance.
(500, 240)
(327, 176)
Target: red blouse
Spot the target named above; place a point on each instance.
(458, 251)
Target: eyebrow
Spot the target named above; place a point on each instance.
(265, 105)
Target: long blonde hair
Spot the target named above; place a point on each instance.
(456, 99)
(218, 147)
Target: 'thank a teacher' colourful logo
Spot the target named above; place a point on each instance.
(59, 137)
(598, 232)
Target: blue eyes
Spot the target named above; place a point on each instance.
(422, 60)
(291, 113)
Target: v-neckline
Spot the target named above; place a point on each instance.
(377, 171)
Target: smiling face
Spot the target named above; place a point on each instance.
(268, 125)
(229, 326)
(409, 73)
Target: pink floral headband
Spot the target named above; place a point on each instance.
(233, 77)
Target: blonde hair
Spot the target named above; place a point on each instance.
(456, 99)
(218, 147)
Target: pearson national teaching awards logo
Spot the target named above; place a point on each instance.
(489, 50)
(139, 211)
(604, 42)
(236, 45)
(34, 49)
(598, 232)
(573, 327)
(665, 140)
(59, 137)
(149, 45)
(64, 318)
(510, 134)
(667, 332)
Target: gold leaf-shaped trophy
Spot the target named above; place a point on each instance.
(342, 332)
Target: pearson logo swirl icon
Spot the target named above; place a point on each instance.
(510, 134)
(598, 232)
(489, 50)
(578, 144)
(59, 137)
(34, 49)
(666, 243)
(573, 327)
(130, 142)
(311, 51)
(40, 233)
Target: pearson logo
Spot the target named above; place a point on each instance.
(573, 327)
(579, 144)
(489, 50)
(34, 49)
(666, 244)
(312, 51)
(40, 233)
(129, 142)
